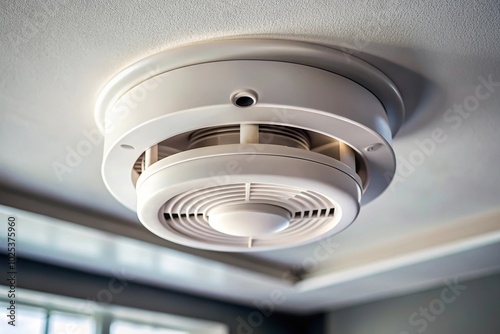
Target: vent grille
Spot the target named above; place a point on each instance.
(188, 215)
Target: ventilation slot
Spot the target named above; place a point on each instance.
(321, 213)
(174, 216)
(265, 134)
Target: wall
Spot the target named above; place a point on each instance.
(462, 308)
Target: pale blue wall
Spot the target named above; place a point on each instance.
(473, 308)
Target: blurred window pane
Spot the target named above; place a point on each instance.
(28, 320)
(68, 323)
(124, 327)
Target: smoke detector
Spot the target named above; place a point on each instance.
(247, 145)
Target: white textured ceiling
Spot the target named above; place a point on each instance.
(55, 58)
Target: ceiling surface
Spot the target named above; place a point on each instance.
(440, 217)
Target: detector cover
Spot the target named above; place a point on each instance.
(245, 145)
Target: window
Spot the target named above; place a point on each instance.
(28, 320)
(36, 320)
(125, 327)
(41, 313)
(64, 323)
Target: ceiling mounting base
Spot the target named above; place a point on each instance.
(241, 145)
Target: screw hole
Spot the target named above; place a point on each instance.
(373, 147)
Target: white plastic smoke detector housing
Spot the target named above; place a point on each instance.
(246, 145)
